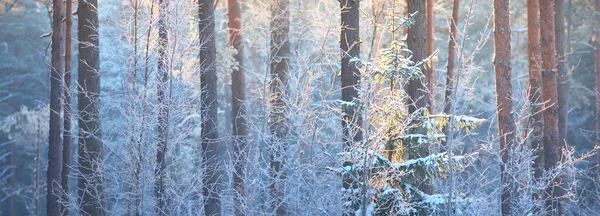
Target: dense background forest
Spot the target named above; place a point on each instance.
(307, 107)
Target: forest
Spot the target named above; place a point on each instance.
(299, 107)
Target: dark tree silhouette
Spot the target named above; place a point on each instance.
(66, 159)
(238, 98)
(163, 107)
(209, 106)
(90, 153)
(350, 77)
(563, 84)
(55, 136)
(280, 57)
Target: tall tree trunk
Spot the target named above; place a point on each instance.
(418, 95)
(55, 138)
(504, 104)
(563, 78)
(350, 75)
(416, 42)
(163, 107)
(238, 108)
(451, 57)
(552, 147)
(209, 106)
(430, 49)
(90, 153)
(66, 151)
(535, 88)
(280, 57)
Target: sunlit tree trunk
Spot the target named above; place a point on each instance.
(55, 138)
(280, 56)
(209, 108)
(90, 153)
(238, 108)
(163, 107)
(563, 78)
(552, 147)
(451, 57)
(504, 104)
(66, 159)
(535, 88)
(430, 70)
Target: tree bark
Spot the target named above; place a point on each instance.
(451, 57)
(55, 137)
(430, 70)
(90, 153)
(418, 95)
(209, 106)
(563, 77)
(238, 108)
(552, 147)
(66, 159)
(163, 107)
(280, 57)
(535, 88)
(416, 42)
(504, 104)
(350, 77)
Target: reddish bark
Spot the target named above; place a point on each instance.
(552, 147)
(451, 57)
(430, 71)
(504, 103)
(535, 87)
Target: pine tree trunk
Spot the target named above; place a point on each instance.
(430, 49)
(563, 78)
(417, 43)
(552, 147)
(502, 67)
(280, 57)
(163, 108)
(350, 77)
(90, 153)
(418, 95)
(451, 57)
(55, 138)
(238, 108)
(66, 151)
(209, 106)
(535, 88)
